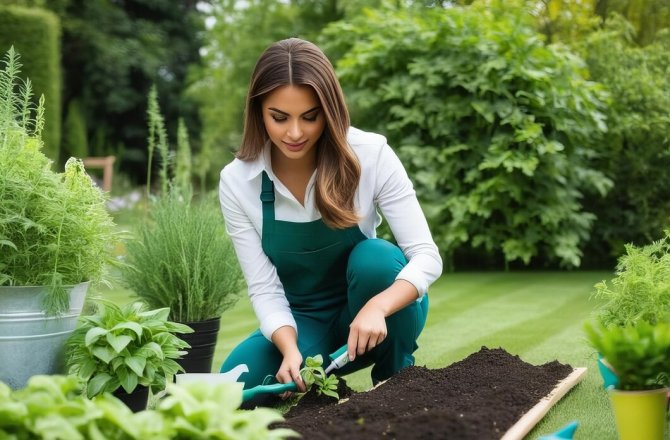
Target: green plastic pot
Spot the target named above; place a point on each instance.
(640, 414)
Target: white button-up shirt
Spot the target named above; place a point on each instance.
(384, 184)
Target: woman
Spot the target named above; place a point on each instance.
(299, 203)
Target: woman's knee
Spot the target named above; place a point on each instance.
(375, 261)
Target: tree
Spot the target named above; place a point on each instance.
(113, 52)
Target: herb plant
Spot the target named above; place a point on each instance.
(639, 354)
(314, 374)
(181, 256)
(54, 228)
(125, 347)
(640, 289)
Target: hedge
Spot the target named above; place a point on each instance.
(35, 35)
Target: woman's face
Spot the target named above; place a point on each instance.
(294, 121)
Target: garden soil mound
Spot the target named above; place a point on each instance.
(478, 398)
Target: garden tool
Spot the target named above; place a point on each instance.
(610, 378)
(338, 359)
(565, 433)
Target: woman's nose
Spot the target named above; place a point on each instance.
(294, 131)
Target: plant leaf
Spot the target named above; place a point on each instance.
(118, 342)
(93, 335)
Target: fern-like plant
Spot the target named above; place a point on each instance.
(54, 228)
(640, 290)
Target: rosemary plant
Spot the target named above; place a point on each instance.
(181, 257)
(54, 228)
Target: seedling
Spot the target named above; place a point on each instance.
(313, 374)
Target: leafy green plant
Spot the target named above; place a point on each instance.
(54, 228)
(181, 256)
(640, 290)
(314, 374)
(639, 354)
(202, 411)
(125, 347)
(52, 407)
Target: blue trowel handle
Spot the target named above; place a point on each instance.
(275, 388)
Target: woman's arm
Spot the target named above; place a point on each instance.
(265, 289)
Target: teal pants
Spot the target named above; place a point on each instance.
(372, 267)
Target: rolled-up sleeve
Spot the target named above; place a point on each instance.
(265, 289)
(396, 198)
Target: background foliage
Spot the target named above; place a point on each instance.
(499, 149)
(635, 154)
(35, 33)
(112, 52)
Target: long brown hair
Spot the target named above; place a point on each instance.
(299, 62)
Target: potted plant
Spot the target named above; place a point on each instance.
(181, 256)
(55, 237)
(639, 354)
(640, 290)
(125, 351)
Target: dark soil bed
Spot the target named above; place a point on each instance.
(480, 397)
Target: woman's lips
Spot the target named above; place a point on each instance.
(295, 147)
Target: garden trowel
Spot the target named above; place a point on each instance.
(338, 359)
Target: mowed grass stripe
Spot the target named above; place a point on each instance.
(588, 402)
(513, 308)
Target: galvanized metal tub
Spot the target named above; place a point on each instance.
(30, 341)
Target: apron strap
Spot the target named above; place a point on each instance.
(268, 200)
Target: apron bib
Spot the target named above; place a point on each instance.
(310, 258)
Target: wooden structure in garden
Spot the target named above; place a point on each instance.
(106, 164)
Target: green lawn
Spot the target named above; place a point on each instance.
(536, 315)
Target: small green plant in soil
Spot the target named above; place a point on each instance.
(640, 289)
(125, 347)
(639, 354)
(314, 374)
(54, 227)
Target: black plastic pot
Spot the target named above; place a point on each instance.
(137, 400)
(203, 342)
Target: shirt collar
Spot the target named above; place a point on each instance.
(262, 163)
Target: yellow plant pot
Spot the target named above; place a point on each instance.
(640, 414)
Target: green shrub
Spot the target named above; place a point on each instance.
(35, 33)
(636, 151)
(494, 127)
(54, 228)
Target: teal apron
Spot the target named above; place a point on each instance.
(313, 264)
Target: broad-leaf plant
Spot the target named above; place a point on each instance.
(125, 347)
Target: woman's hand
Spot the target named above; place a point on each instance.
(289, 371)
(367, 330)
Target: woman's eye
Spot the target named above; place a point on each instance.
(278, 118)
(311, 118)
